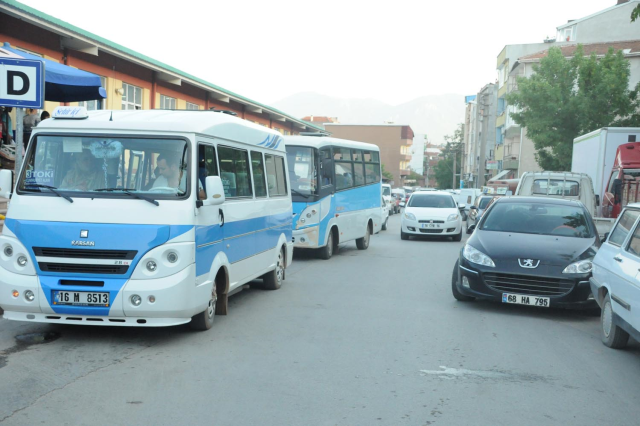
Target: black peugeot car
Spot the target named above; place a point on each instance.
(529, 251)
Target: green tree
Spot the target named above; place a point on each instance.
(635, 13)
(444, 168)
(568, 97)
(386, 174)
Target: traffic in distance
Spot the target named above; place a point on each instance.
(218, 202)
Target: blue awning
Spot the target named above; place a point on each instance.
(64, 83)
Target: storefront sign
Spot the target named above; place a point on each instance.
(492, 165)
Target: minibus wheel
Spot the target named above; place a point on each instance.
(327, 251)
(204, 320)
(273, 280)
(363, 243)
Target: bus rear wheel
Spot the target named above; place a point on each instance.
(273, 280)
(204, 320)
(363, 243)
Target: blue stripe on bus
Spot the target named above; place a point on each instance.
(245, 238)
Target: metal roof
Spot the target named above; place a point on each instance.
(318, 142)
(61, 27)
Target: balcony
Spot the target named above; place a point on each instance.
(501, 119)
(510, 163)
(503, 90)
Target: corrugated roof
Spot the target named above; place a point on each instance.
(629, 48)
(139, 56)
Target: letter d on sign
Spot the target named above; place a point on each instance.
(12, 86)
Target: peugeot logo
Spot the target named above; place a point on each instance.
(528, 263)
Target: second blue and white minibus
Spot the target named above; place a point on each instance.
(143, 218)
(336, 192)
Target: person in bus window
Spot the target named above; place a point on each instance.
(86, 175)
(170, 173)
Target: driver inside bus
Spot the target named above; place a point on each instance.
(87, 175)
(171, 176)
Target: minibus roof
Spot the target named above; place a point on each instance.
(320, 141)
(209, 123)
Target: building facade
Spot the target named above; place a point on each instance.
(394, 140)
(131, 79)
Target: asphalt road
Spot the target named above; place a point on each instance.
(367, 338)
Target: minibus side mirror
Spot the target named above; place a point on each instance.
(6, 178)
(215, 191)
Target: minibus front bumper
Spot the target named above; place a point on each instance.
(307, 237)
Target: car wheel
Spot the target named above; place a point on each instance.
(384, 225)
(612, 335)
(458, 237)
(454, 286)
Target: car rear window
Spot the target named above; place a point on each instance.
(623, 227)
(484, 202)
(538, 218)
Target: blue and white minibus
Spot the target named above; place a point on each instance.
(143, 218)
(336, 192)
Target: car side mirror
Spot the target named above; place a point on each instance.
(6, 180)
(606, 236)
(462, 206)
(473, 208)
(215, 191)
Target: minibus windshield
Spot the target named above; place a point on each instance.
(106, 166)
(302, 170)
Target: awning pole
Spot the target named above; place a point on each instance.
(19, 143)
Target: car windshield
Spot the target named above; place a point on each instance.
(484, 202)
(538, 218)
(97, 165)
(302, 169)
(435, 201)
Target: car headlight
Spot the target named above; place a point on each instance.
(579, 267)
(452, 217)
(474, 255)
(410, 216)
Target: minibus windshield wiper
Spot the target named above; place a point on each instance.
(50, 188)
(131, 194)
(299, 193)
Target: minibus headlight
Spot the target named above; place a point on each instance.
(29, 296)
(22, 260)
(172, 257)
(136, 300)
(152, 266)
(8, 250)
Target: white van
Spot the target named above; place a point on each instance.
(388, 199)
(143, 218)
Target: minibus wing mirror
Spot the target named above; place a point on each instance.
(215, 191)
(6, 178)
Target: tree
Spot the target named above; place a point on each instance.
(568, 97)
(444, 168)
(635, 13)
(386, 174)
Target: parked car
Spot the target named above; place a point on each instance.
(478, 208)
(529, 251)
(614, 283)
(384, 205)
(431, 213)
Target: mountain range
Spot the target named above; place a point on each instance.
(433, 115)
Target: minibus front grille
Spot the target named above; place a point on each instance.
(83, 268)
(85, 253)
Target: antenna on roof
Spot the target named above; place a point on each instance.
(111, 117)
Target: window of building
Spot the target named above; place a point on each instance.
(276, 180)
(167, 103)
(234, 172)
(132, 97)
(98, 103)
(257, 167)
(567, 34)
(192, 107)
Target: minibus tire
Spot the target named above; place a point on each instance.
(327, 251)
(273, 280)
(204, 320)
(363, 243)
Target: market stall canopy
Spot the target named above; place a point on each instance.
(62, 83)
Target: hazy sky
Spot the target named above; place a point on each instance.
(393, 51)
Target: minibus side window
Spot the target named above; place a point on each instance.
(276, 177)
(234, 172)
(257, 167)
(207, 165)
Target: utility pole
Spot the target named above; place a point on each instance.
(483, 142)
(455, 154)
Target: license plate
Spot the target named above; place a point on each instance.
(431, 225)
(521, 299)
(80, 298)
